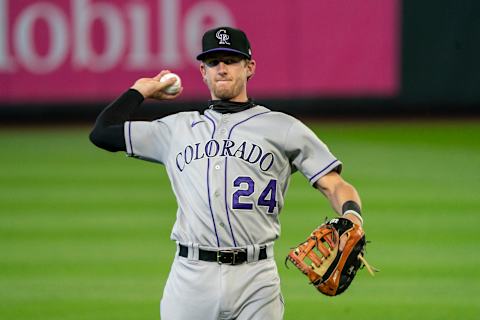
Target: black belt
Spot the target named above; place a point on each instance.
(233, 256)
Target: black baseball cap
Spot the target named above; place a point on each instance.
(225, 39)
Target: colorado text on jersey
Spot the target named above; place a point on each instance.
(246, 151)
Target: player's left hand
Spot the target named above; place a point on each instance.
(152, 88)
(329, 267)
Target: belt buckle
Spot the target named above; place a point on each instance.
(234, 253)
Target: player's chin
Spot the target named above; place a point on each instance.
(224, 93)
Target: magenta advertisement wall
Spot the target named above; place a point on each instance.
(91, 50)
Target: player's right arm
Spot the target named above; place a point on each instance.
(108, 132)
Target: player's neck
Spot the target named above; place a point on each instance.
(227, 106)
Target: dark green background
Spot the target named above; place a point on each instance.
(441, 53)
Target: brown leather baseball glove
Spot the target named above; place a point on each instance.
(331, 255)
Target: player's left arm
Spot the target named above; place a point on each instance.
(341, 195)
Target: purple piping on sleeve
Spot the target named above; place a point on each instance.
(208, 187)
(321, 171)
(130, 136)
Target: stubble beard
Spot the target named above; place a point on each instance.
(229, 92)
(223, 94)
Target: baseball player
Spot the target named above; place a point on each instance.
(229, 168)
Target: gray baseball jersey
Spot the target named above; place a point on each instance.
(230, 172)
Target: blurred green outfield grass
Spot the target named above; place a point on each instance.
(84, 234)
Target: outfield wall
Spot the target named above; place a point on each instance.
(67, 58)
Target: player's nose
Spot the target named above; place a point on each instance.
(222, 67)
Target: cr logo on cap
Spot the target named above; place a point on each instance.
(222, 36)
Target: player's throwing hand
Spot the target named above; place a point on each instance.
(154, 89)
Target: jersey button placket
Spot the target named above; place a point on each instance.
(223, 126)
(225, 119)
(219, 169)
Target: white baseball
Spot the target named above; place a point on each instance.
(175, 87)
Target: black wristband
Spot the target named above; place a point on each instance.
(351, 205)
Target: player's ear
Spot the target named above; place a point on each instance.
(251, 66)
(203, 72)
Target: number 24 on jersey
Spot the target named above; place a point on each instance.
(246, 187)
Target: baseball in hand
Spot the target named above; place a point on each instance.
(175, 87)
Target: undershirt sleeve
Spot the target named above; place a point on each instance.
(108, 132)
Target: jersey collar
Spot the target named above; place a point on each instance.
(226, 106)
